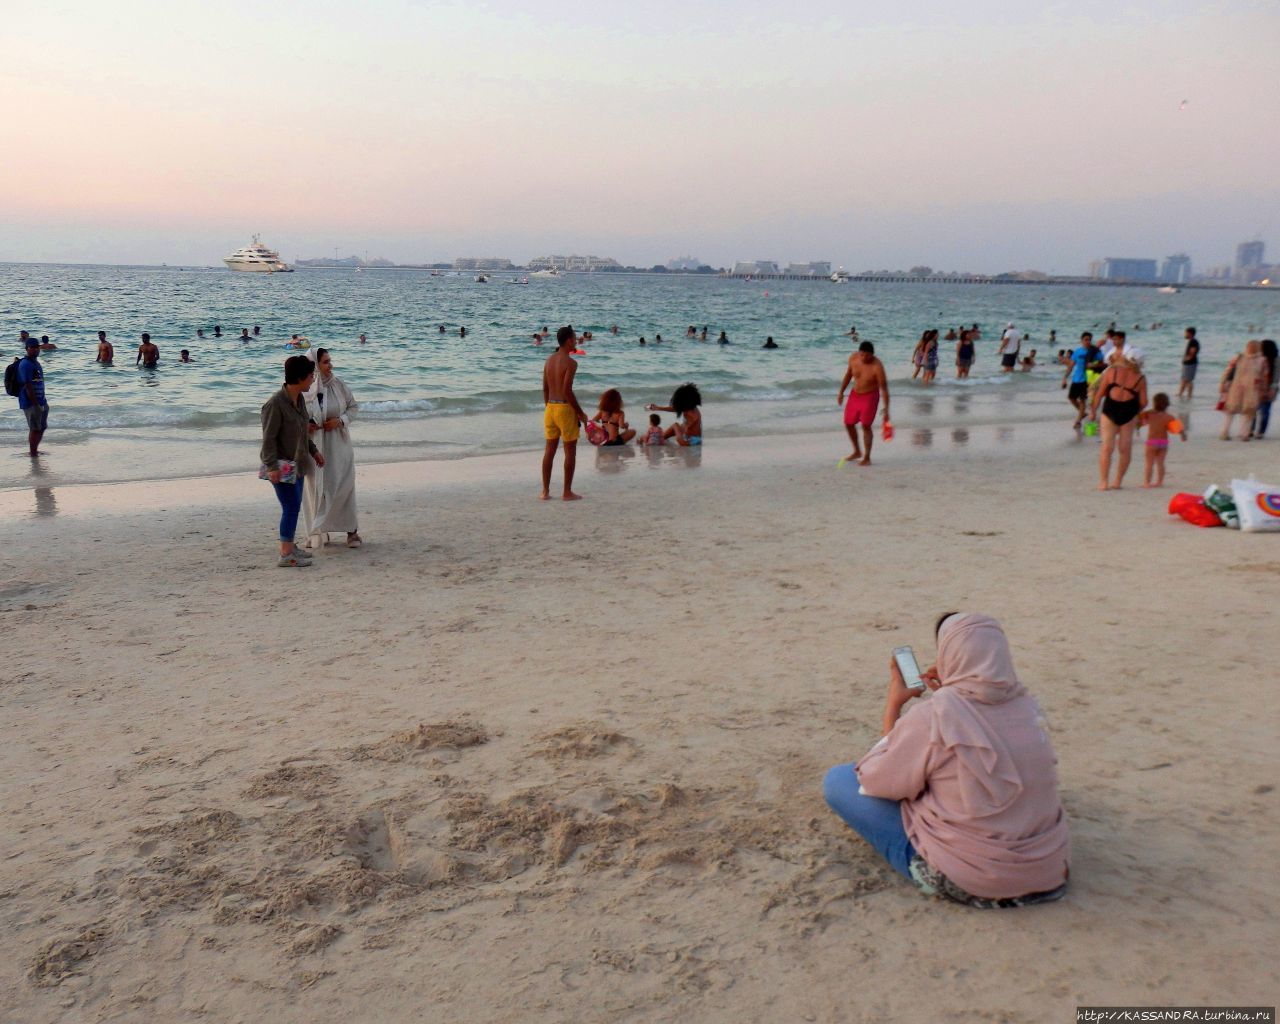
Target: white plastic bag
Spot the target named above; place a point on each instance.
(1258, 506)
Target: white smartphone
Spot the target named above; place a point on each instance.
(906, 660)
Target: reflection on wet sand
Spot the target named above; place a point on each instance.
(960, 437)
(962, 405)
(1004, 433)
(46, 502)
(923, 406)
(614, 459)
(674, 455)
(922, 438)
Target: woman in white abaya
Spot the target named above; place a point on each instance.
(329, 501)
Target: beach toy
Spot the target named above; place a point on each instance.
(1090, 428)
(886, 431)
(1175, 426)
(579, 352)
(596, 433)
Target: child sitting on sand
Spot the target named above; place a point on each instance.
(1158, 422)
(609, 416)
(685, 401)
(654, 435)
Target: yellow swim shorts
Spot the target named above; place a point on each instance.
(561, 422)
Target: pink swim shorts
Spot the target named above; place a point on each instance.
(861, 408)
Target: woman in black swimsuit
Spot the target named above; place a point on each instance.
(1122, 392)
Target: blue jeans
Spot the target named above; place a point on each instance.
(1261, 418)
(290, 496)
(878, 821)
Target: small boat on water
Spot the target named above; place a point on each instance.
(257, 258)
(481, 279)
(1169, 289)
(546, 273)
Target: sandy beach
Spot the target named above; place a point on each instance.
(523, 761)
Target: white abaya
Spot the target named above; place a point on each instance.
(329, 499)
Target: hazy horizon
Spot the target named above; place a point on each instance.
(990, 138)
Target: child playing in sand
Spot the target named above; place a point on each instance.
(685, 401)
(654, 434)
(1158, 423)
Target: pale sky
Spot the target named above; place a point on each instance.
(985, 135)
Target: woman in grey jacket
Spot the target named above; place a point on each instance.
(285, 437)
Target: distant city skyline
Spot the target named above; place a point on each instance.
(993, 137)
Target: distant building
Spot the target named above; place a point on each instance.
(756, 267)
(1176, 269)
(1249, 265)
(481, 263)
(579, 263)
(1115, 269)
(684, 263)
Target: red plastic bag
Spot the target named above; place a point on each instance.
(1192, 508)
(886, 430)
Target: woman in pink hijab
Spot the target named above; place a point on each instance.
(961, 794)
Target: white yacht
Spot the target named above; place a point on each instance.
(546, 273)
(258, 258)
(1170, 289)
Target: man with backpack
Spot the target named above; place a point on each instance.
(24, 378)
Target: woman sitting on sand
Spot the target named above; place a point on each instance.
(1122, 392)
(610, 417)
(961, 793)
(685, 401)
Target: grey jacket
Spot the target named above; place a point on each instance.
(284, 432)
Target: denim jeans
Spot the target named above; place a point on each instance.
(1261, 418)
(290, 496)
(878, 821)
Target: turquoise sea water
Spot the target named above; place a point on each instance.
(429, 394)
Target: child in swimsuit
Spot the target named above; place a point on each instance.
(654, 436)
(1158, 422)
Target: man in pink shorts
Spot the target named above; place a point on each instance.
(866, 373)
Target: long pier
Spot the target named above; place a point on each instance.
(1074, 282)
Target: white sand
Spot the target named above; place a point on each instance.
(519, 761)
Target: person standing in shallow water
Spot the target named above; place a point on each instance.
(563, 415)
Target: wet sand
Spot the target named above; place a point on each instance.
(518, 760)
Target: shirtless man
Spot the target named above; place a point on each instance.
(148, 354)
(563, 413)
(869, 385)
(106, 353)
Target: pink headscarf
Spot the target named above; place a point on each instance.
(976, 669)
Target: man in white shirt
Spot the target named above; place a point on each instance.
(1010, 342)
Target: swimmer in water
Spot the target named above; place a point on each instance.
(106, 353)
(148, 354)
(769, 342)
(199, 332)
(362, 339)
(46, 345)
(244, 334)
(217, 330)
(462, 332)
(442, 328)
(184, 356)
(256, 330)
